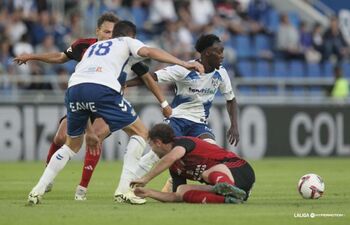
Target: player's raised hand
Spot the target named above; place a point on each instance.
(22, 59)
(141, 192)
(194, 66)
(233, 135)
(167, 111)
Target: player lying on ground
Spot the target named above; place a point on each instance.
(195, 93)
(229, 178)
(97, 92)
(100, 129)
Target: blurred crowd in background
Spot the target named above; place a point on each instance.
(253, 32)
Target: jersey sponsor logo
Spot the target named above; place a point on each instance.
(94, 69)
(82, 106)
(197, 172)
(99, 69)
(178, 170)
(204, 91)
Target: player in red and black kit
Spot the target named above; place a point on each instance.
(99, 130)
(228, 178)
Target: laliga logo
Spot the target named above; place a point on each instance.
(304, 215)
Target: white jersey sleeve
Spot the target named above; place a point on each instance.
(225, 86)
(172, 74)
(134, 46)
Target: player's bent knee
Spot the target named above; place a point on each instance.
(220, 167)
(100, 128)
(102, 132)
(60, 139)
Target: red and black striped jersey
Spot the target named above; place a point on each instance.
(200, 156)
(78, 48)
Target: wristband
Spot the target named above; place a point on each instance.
(164, 104)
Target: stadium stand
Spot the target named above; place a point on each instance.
(250, 30)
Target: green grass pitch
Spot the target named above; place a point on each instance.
(274, 199)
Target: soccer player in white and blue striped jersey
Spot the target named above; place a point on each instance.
(95, 89)
(195, 92)
(194, 95)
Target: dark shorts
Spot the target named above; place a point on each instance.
(184, 127)
(244, 177)
(87, 99)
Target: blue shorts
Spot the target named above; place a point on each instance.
(184, 127)
(88, 99)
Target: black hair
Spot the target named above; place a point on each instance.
(162, 132)
(206, 41)
(124, 28)
(110, 17)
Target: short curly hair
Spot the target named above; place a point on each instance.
(110, 17)
(206, 41)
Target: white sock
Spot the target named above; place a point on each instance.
(56, 164)
(146, 163)
(133, 153)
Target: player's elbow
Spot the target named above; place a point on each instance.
(144, 52)
(170, 159)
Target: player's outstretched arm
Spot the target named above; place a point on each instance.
(134, 82)
(163, 56)
(138, 81)
(169, 159)
(157, 195)
(232, 133)
(55, 57)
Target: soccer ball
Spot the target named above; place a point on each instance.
(311, 186)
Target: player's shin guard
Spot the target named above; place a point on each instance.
(132, 156)
(52, 150)
(196, 196)
(146, 163)
(90, 163)
(56, 164)
(219, 177)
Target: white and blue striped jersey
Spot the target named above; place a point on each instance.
(195, 92)
(104, 62)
